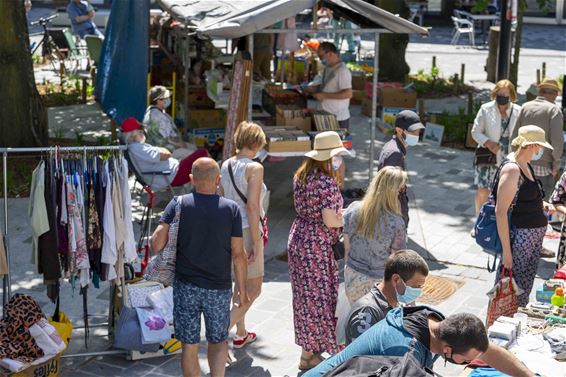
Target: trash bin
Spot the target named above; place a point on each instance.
(491, 62)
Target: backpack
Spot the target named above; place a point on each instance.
(381, 366)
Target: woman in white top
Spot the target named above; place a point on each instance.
(493, 125)
(245, 186)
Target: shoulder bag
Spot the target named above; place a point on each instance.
(486, 225)
(161, 268)
(262, 220)
(482, 155)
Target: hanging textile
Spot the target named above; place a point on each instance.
(37, 211)
(3, 261)
(130, 249)
(109, 250)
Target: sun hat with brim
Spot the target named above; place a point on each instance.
(158, 92)
(549, 84)
(531, 135)
(327, 145)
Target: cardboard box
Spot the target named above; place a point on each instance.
(366, 106)
(357, 96)
(304, 124)
(272, 96)
(209, 118)
(543, 295)
(50, 368)
(358, 81)
(205, 136)
(398, 98)
(380, 87)
(288, 146)
(198, 99)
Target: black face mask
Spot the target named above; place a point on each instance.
(501, 100)
(451, 360)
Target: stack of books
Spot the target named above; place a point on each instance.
(324, 121)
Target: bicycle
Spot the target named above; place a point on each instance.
(49, 49)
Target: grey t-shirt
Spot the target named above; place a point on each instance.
(365, 313)
(367, 256)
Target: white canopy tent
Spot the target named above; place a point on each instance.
(236, 18)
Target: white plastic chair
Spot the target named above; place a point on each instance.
(462, 26)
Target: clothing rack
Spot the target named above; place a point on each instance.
(7, 283)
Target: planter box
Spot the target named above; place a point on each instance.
(209, 118)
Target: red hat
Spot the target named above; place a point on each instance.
(131, 124)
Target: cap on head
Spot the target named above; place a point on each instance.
(130, 124)
(409, 121)
(158, 92)
(531, 135)
(327, 144)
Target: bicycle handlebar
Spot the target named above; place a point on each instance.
(44, 21)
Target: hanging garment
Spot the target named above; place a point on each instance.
(130, 252)
(94, 237)
(16, 342)
(80, 264)
(118, 221)
(4, 270)
(62, 232)
(37, 211)
(109, 251)
(47, 242)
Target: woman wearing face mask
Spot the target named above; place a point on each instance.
(159, 126)
(373, 229)
(522, 238)
(493, 125)
(408, 127)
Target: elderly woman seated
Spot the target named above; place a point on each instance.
(149, 159)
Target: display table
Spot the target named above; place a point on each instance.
(263, 154)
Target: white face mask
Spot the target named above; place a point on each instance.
(167, 102)
(539, 154)
(411, 140)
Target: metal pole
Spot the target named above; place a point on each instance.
(7, 284)
(504, 44)
(99, 353)
(251, 100)
(64, 149)
(373, 105)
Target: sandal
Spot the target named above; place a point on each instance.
(309, 363)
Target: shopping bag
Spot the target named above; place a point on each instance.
(162, 301)
(128, 333)
(154, 328)
(342, 310)
(161, 268)
(63, 326)
(503, 299)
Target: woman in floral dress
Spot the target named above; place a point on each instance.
(313, 270)
(558, 198)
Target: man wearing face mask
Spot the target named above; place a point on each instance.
(544, 113)
(405, 274)
(427, 334)
(408, 127)
(160, 127)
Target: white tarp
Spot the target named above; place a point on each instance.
(237, 18)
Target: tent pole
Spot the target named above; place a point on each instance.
(251, 99)
(7, 284)
(373, 104)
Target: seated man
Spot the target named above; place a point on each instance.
(81, 14)
(425, 332)
(405, 274)
(156, 159)
(160, 127)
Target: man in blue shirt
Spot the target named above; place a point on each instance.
(81, 14)
(209, 242)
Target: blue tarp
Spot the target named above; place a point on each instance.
(121, 81)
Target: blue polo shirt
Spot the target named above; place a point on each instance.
(81, 28)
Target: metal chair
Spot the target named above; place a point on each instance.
(76, 54)
(94, 47)
(462, 26)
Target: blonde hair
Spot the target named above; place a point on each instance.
(382, 197)
(249, 135)
(310, 165)
(504, 84)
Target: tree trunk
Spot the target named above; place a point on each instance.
(514, 69)
(447, 8)
(392, 64)
(23, 120)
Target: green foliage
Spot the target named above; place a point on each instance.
(59, 132)
(456, 125)
(36, 59)
(103, 140)
(79, 137)
(544, 5)
(431, 84)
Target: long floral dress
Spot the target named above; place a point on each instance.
(313, 270)
(559, 197)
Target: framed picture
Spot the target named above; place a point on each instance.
(433, 133)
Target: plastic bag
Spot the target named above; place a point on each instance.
(162, 301)
(154, 328)
(342, 310)
(63, 326)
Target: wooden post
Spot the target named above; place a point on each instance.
(538, 76)
(543, 76)
(83, 89)
(314, 16)
(470, 102)
(113, 130)
(456, 82)
(433, 61)
(462, 72)
(421, 109)
(62, 75)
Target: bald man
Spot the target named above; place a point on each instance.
(209, 241)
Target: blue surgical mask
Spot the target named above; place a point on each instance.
(410, 295)
(411, 140)
(539, 154)
(167, 102)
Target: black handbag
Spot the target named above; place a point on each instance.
(484, 156)
(338, 248)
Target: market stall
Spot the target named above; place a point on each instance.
(236, 19)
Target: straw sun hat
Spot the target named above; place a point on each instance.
(549, 84)
(531, 135)
(327, 145)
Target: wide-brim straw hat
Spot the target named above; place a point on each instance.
(549, 84)
(159, 92)
(327, 145)
(531, 135)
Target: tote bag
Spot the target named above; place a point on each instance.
(503, 299)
